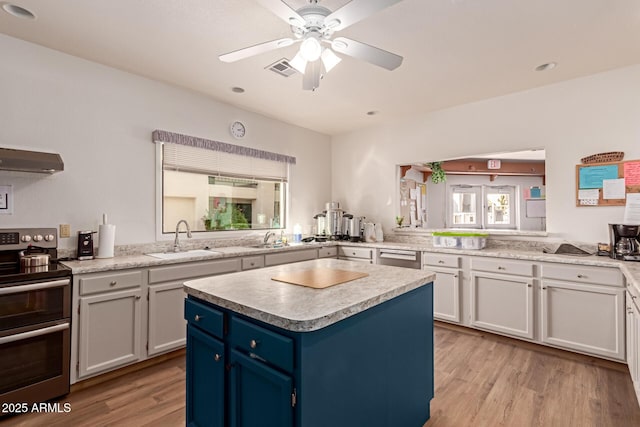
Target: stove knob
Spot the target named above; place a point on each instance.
(49, 238)
(26, 238)
(37, 238)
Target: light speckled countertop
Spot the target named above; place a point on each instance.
(631, 270)
(303, 309)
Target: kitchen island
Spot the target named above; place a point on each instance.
(262, 352)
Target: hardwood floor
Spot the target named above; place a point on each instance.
(481, 380)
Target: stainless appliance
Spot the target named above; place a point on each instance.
(320, 224)
(333, 220)
(35, 317)
(345, 228)
(85, 244)
(400, 258)
(356, 228)
(624, 242)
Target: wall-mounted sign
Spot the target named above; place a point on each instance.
(493, 164)
(6, 199)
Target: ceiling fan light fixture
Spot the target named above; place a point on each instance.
(299, 63)
(310, 49)
(329, 59)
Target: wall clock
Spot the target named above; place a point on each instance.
(238, 130)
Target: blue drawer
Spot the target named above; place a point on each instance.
(206, 318)
(262, 344)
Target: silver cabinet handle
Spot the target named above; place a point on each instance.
(197, 318)
(217, 357)
(138, 297)
(633, 297)
(253, 343)
(113, 283)
(501, 268)
(544, 288)
(252, 264)
(529, 285)
(440, 262)
(455, 276)
(581, 276)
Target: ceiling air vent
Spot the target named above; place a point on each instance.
(282, 67)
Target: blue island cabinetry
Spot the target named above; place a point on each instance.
(374, 368)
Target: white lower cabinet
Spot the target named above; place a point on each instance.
(166, 318)
(633, 341)
(582, 309)
(109, 322)
(502, 303)
(446, 286)
(585, 318)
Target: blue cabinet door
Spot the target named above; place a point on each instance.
(259, 395)
(205, 379)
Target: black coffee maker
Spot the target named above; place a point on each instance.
(624, 243)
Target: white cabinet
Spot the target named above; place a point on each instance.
(446, 286)
(502, 302)
(582, 309)
(287, 257)
(633, 340)
(110, 322)
(355, 253)
(166, 324)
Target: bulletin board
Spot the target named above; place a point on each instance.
(606, 184)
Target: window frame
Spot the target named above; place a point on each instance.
(481, 192)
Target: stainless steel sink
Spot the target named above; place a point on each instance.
(266, 246)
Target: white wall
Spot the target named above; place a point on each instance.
(569, 120)
(100, 120)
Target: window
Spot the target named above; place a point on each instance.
(482, 206)
(216, 186)
(465, 206)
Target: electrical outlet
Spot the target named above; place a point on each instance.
(65, 230)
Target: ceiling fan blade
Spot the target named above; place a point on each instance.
(368, 53)
(311, 77)
(283, 11)
(246, 52)
(354, 11)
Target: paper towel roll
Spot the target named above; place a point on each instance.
(106, 240)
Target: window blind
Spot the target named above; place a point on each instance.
(201, 160)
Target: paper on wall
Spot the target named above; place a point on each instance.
(6, 199)
(588, 197)
(613, 189)
(632, 209)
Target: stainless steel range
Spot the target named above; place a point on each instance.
(35, 317)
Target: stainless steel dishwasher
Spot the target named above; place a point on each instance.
(400, 258)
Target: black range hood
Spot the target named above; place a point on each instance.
(30, 161)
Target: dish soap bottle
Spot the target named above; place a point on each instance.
(378, 233)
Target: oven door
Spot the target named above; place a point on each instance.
(25, 304)
(34, 363)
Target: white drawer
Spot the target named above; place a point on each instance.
(583, 274)
(329, 252)
(495, 265)
(110, 282)
(192, 270)
(353, 252)
(441, 260)
(251, 262)
(290, 256)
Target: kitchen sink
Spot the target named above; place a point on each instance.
(184, 254)
(266, 246)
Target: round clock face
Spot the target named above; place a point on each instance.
(238, 130)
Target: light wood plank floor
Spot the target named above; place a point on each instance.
(481, 380)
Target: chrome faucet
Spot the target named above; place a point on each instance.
(266, 236)
(176, 242)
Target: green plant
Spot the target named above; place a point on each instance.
(437, 173)
(399, 220)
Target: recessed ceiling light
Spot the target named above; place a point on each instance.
(547, 66)
(237, 89)
(372, 112)
(18, 11)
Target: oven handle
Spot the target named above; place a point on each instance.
(33, 287)
(36, 333)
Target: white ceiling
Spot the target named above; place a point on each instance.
(455, 51)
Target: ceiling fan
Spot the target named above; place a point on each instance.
(313, 26)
